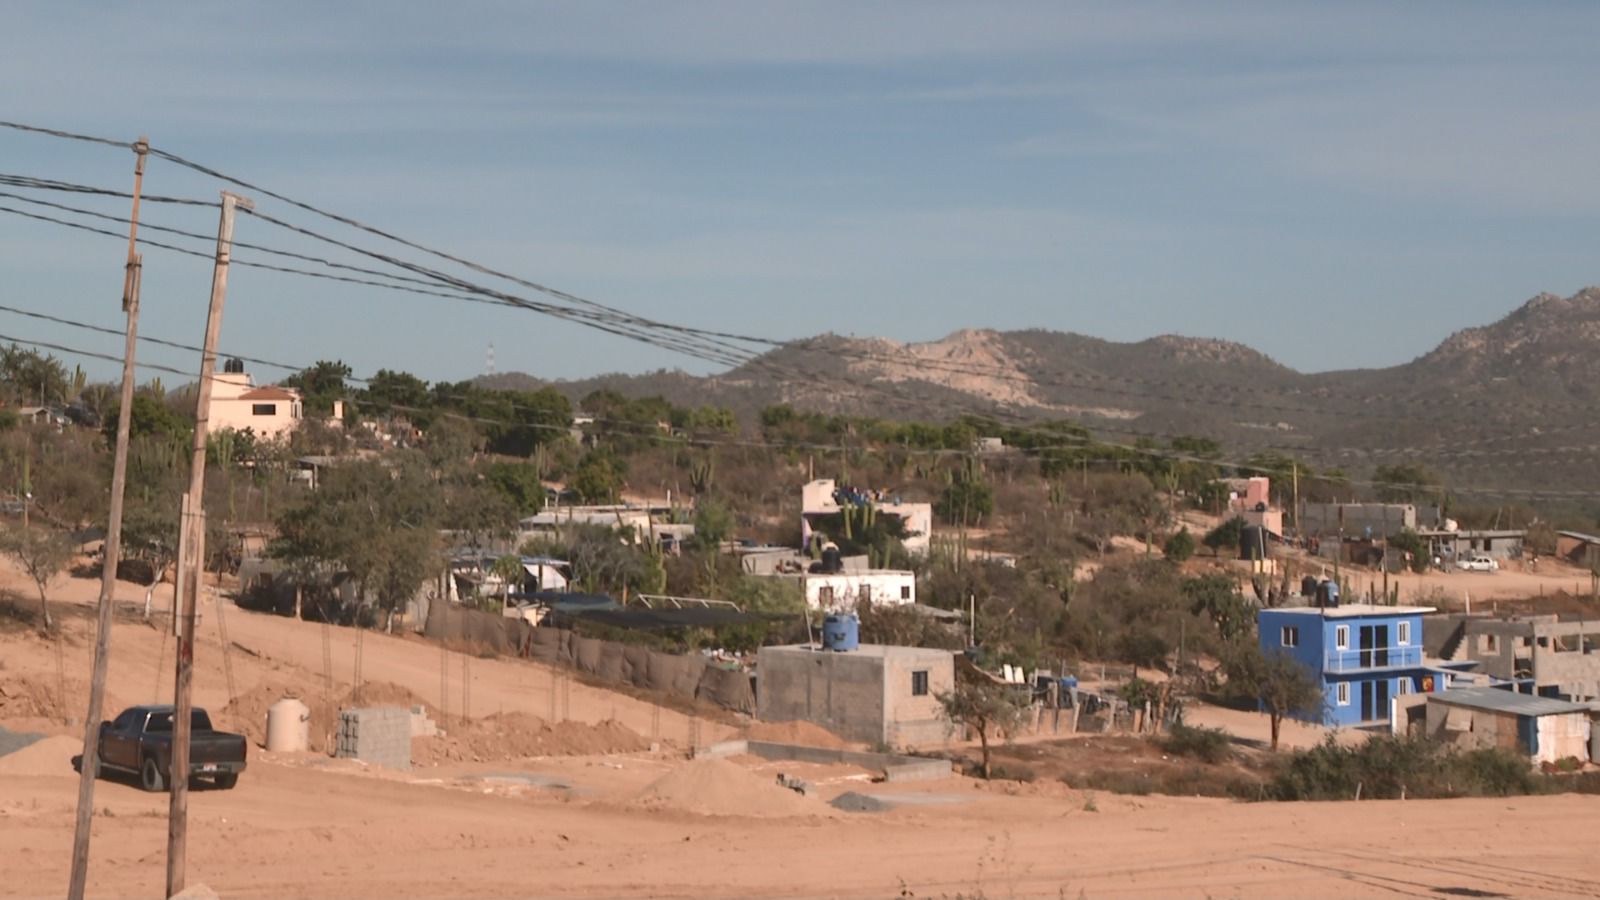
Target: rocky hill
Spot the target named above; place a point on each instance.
(1511, 403)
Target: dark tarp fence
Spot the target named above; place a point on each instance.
(687, 677)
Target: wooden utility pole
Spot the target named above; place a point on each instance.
(1295, 509)
(178, 771)
(90, 761)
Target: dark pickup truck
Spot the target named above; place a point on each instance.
(140, 742)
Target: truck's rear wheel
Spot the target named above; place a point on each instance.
(227, 780)
(150, 777)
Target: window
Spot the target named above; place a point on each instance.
(825, 594)
(1402, 686)
(1341, 637)
(1342, 693)
(919, 683)
(1402, 634)
(905, 592)
(1291, 636)
(263, 409)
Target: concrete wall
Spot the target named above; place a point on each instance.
(917, 721)
(1566, 656)
(379, 735)
(861, 696)
(842, 692)
(1382, 518)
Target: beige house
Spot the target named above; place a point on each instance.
(271, 412)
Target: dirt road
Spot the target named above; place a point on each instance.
(290, 831)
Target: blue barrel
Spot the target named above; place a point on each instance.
(841, 632)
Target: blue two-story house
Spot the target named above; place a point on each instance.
(1362, 655)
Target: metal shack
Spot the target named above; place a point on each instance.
(1544, 728)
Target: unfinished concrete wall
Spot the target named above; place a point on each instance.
(1356, 518)
(842, 692)
(914, 720)
(379, 735)
(1566, 656)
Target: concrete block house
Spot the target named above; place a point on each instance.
(1362, 655)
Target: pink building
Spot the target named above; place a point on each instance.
(1251, 498)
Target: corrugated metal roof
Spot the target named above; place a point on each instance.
(1499, 700)
(1586, 538)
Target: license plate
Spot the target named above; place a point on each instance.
(209, 767)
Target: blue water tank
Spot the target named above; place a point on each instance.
(841, 632)
(1329, 593)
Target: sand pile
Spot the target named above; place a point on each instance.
(385, 693)
(805, 734)
(51, 756)
(517, 735)
(247, 713)
(717, 787)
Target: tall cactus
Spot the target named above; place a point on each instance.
(702, 474)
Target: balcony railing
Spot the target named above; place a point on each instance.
(1354, 660)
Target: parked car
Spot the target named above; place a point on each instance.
(1477, 562)
(139, 742)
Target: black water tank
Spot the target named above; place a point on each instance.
(1308, 586)
(1253, 543)
(832, 560)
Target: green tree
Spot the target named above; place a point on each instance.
(774, 596)
(713, 524)
(151, 418)
(320, 385)
(519, 484)
(1179, 546)
(391, 393)
(1407, 483)
(989, 709)
(1228, 534)
(31, 378)
(377, 522)
(598, 478)
(1283, 685)
(1408, 541)
(42, 553)
(1217, 597)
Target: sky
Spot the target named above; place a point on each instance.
(1337, 185)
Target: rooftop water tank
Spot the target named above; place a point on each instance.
(1328, 593)
(1253, 543)
(288, 726)
(841, 632)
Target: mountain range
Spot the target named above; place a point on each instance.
(1507, 405)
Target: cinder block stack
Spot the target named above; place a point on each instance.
(379, 735)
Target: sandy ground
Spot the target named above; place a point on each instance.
(648, 823)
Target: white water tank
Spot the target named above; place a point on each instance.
(288, 726)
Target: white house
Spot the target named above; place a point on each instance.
(822, 498)
(237, 402)
(842, 591)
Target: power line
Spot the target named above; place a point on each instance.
(695, 346)
(699, 349)
(1157, 453)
